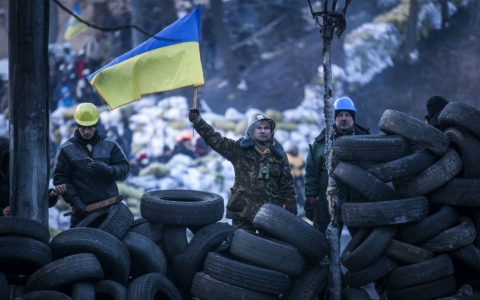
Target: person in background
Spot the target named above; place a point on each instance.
(296, 166)
(89, 163)
(435, 105)
(5, 181)
(316, 175)
(96, 52)
(66, 100)
(184, 145)
(166, 155)
(134, 165)
(262, 172)
(201, 147)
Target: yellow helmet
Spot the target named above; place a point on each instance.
(86, 114)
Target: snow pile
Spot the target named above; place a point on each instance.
(371, 48)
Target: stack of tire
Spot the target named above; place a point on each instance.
(418, 219)
(108, 255)
(280, 261)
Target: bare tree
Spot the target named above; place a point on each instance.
(411, 34)
(224, 44)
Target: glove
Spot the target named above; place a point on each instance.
(79, 207)
(193, 115)
(98, 167)
(309, 214)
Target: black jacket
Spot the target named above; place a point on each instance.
(70, 168)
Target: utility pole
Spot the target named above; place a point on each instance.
(29, 108)
(329, 21)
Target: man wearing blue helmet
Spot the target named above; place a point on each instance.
(316, 175)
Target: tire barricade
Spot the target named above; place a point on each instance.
(418, 237)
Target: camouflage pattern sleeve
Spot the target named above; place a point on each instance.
(287, 188)
(222, 145)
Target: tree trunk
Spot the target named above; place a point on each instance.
(223, 41)
(29, 108)
(137, 19)
(169, 13)
(411, 35)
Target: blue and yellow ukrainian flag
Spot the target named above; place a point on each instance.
(74, 27)
(168, 61)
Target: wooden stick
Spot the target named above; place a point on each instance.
(97, 205)
(194, 96)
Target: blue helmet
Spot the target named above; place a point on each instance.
(344, 104)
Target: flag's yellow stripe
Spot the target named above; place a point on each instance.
(159, 70)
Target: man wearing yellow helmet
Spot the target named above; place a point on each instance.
(89, 163)
(262, 171)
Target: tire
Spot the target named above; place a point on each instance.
(191, 260)
(174, 241)
(445, 169)
(461, 235)
(407, 253)
(205, 287)
(4, 287)
(416, 274)
(22, 256)
(476, 220)
(393, 212)
(182, 207)
(153, 231)
(43, 295)
(469, 255)
(109, 250)
(24, 227)
(235, 272)
(143, 251)
(355, 294)
(376, 148)
(454, 115)
(429, 227)
(364, 183)
(307, 286)
(65, 271)
(152, 286)
(467, 146)
(428, 291)
(402, 167)
(267, 252)
(416, 131)
(115, 220)
(83, 290)
(108, 289)
(365, 250)
(379, 269)
(287, 227)
(458, 192)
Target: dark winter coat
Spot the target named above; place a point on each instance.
(70, 168)
(249, 192)
(316, 179)
(5, 177)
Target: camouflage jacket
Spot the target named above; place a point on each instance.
(259, 179)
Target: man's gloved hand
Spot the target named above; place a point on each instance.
(79, 207)
(98, 167)
(309, 214)
(193, 115)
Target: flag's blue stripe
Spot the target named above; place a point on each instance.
(187, 29)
